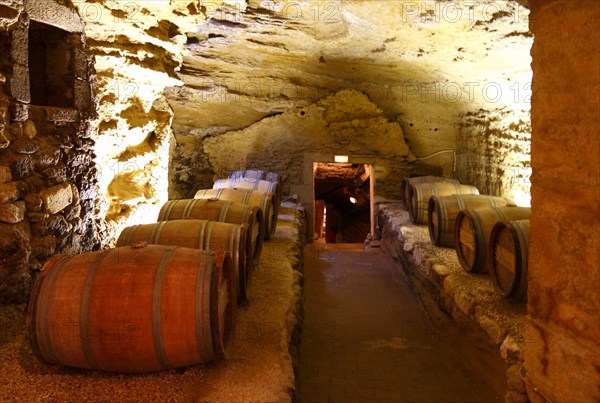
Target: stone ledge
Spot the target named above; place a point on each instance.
(446, 288)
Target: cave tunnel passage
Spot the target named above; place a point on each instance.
(342, 202)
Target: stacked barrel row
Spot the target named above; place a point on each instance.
(490, 234)
(166, 296)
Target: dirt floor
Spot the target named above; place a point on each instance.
(366, 337)
(259, 369)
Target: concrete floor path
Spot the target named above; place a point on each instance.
(367, 338)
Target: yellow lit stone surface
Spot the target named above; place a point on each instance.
(454, 75)
(137, 47)
(564, 292)
(56, 198)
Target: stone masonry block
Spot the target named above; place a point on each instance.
(493, 329)
(57, 197)
(19, 112)
(511, 350)
(29, 129)
(9, 192)
(20, 45)
(59, 115)
(12, 213)
(19, 85)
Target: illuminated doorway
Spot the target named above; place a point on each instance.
(343, 202)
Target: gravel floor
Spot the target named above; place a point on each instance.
(260, 367)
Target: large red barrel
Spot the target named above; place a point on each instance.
(133, 309)
(200, 234)
(264, 200)
(443, 210)
(472, 231)
(221, 211)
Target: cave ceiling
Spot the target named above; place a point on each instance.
(425, 61)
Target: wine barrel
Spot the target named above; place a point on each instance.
(221, 211)
(509, 251)
(442, 212)
(472, 231)
(408, 182)
(263, 200)
(133, 309)
(199, 234)
(257, 174)
(420, 194)
(251, 183)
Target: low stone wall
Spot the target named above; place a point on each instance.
(260, 367)
(447, 289)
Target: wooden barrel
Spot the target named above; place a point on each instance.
(257, 174)
(133, 309)
(221, 211)
(442, 212)
(408, 182)
(472, 231)
(263, 200)
(509, 251)
(420, 194)
(251, 183)
(199, 234)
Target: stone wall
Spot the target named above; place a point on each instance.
(564, 297)
(84, 125)
(456, 77)
(137, 47)
(47, 174)
(494, 152)
(346, 123)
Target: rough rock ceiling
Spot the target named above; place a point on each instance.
(340, 171)
(425, 63)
